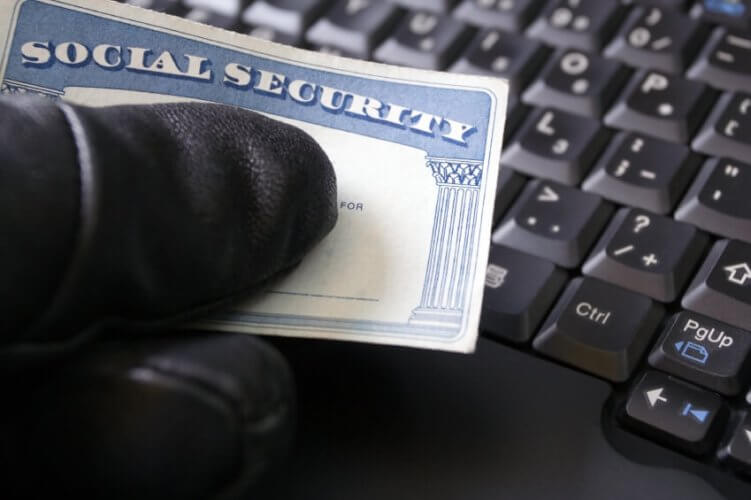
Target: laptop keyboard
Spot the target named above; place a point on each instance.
(622, 243)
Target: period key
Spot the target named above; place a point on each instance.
(599, 328)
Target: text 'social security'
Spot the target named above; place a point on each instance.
(236, 75)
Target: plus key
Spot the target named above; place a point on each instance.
(647, 253)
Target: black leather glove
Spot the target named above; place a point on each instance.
(118, 222)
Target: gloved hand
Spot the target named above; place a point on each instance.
(116, 224)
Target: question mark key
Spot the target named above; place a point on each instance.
(647, 253)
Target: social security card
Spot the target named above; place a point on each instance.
(415, 152)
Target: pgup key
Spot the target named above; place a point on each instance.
(704, 351)
(556, 145)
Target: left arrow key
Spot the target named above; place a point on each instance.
(678, 414)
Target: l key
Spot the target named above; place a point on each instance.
(556, 145)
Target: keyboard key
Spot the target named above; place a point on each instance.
(643, 172)
(581, 24)
(667, 4)
(267, 33)
(519, 290)
(704, 351)
(722, 287)
(647, 253)
(227, 8)
(599, 328)
(718, 200)
(212, 18)
(424, 40)
(737, 451)
(676, 413)
(556, 145)
(439, 6)
(577, 82)
(658, 39)
(500, 54)
(171, 6)
(663, 106)
(354, 27)
(725, 61)
(290, 17)
(515, 113)
(727, 131)
(509, 185)
(508, 15)
(736, 13)
(554, 222)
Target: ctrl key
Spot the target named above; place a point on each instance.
(676, 413)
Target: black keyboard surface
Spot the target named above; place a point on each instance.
(622, 243)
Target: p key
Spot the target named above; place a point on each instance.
(664, 106)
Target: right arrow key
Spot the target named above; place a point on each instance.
(674, 412)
